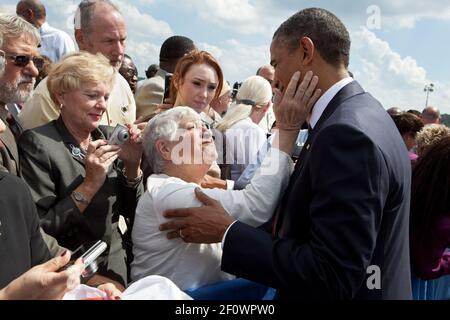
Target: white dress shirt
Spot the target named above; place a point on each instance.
(318, 109)
(55, 43)
(325, 99)
(191, 265)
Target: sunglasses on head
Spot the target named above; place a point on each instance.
(23, 60)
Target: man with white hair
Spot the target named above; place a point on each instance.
(19, 67)
(99, 28)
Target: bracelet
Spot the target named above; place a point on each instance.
(131, 182)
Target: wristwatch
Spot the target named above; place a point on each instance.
(79, 197)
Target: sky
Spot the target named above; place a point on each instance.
(398, 47)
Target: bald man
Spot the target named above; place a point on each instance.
(266, 123)
(431, 115)
(99, 28)
(55, 43)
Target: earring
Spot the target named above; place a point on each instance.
(61, 106)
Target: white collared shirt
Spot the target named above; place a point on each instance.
(55, 43)
(325, 99)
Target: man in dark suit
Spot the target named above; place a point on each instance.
(18, 72)
(341, 230)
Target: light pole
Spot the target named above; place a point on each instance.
(428, 88)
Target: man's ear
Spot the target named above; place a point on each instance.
(308, 48)
(80, 39)
(164, 149)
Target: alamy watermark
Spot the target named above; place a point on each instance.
(373, 282)
(373, 21)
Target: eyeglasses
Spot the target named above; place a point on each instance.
(23, 60)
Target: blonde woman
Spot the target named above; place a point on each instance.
(80, 183)
(242, 135)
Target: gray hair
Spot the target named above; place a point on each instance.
(12, 26)
(85, 12)
(163, 127)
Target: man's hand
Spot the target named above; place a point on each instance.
(205, 224)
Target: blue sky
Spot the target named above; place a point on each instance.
(397, 46)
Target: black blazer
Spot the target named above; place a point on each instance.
(52, 167)
(21, 243)
(346, 208)
(9, 154)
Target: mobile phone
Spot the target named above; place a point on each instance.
(90, 253)
(167, 82)
(119, 135)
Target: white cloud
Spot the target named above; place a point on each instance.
(238, 60)
(391, 78)
(142, 24)
(143, 54)
(8, 8)
(147, 2)
(241, 16)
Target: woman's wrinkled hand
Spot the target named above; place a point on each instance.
(293, 106)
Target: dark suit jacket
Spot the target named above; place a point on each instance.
(21, 244)
(346, 208)
(52, 169)
(9, 155)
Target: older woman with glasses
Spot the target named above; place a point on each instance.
(180, 150)
(82, 182)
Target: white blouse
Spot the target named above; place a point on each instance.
(191, 265)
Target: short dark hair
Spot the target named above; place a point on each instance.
(37, 7)
(327, 32)
(416, 112)
(153, 68)
(175, 47)
(407, 123)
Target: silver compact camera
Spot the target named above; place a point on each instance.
(119, 135)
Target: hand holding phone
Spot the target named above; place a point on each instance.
(89, 253)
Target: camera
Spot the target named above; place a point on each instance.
(119, 135)
(167, 82)
(90, 253)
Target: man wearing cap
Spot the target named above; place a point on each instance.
(99, 28)
(150, 95)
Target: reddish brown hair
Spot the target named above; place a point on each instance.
(183, 65)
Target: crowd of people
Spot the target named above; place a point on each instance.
(299, 181)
